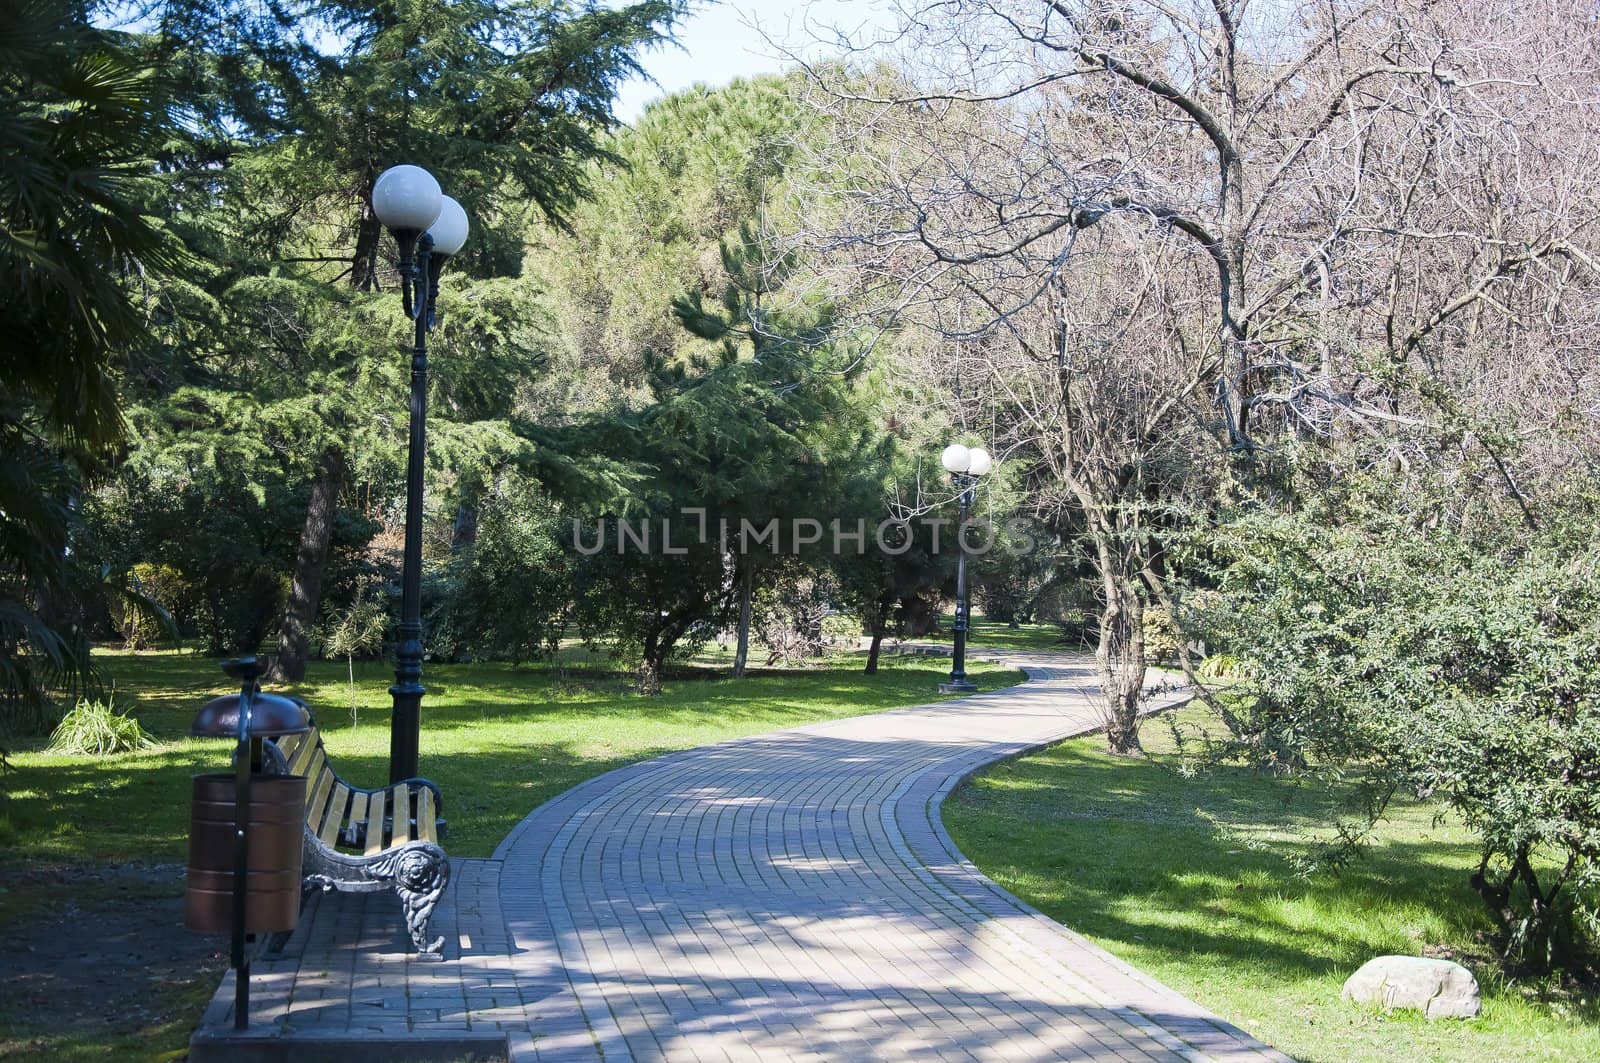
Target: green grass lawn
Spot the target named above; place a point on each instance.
(499, 740)
(984, 632)
(1128, 852)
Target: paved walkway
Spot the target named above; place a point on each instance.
(790, 896)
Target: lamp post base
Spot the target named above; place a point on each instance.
(958, 686)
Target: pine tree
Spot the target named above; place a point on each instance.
(693, 168)
(798, 372)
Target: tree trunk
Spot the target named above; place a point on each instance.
(880, 628)
(648, 675)
(369, 235)
(872, 651)
(741, 653)
(305, 591)
(465, 532)
(653, 655)
(1120, 654)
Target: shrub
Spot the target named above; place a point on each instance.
(356, 630)
(240, 617)
(505, 597)
(1227, 666)
(1434, 665)
(164, 586)
(842, 629)
(95, 728)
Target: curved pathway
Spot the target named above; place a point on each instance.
(794, 896)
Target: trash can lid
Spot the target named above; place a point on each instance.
(270, 715)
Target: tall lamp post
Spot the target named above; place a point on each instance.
(965, 465)
(428, 227)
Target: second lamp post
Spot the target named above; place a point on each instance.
(428, 227)
(965, 465)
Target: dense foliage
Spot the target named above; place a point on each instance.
(1432, 664)
(80, 120)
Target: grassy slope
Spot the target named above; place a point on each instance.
(1126, 852)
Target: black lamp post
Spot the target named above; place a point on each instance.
(965, 465)
(429, 228)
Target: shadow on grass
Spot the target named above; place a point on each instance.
(1133, 850)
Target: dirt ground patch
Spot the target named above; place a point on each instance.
(96, 963)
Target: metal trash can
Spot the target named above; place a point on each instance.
(246, 825)
(272, 886)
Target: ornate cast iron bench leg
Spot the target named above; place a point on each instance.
(417, 871)
(420, 872)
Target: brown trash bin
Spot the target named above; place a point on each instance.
(277, 817)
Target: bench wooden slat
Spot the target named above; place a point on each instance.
(400, 811)
(425, 816)
(375, 824)
(316, 763)
(333, 819)
(358, 814)
(313, 774)
(311, 786)
(303, 753)
(315, 770)
(288, 744)
(319, 799)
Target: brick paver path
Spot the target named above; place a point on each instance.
(794, 896)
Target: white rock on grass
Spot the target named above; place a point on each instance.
(1437, 988)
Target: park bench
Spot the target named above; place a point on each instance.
(364, 841)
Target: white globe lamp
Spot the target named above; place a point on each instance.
(449, 229)
(965, 465)
(406, 199)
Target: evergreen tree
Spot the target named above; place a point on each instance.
(696, 166)
(294, 119)
(799, 374)
(741, 443)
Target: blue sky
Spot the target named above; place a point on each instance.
(721, 41)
